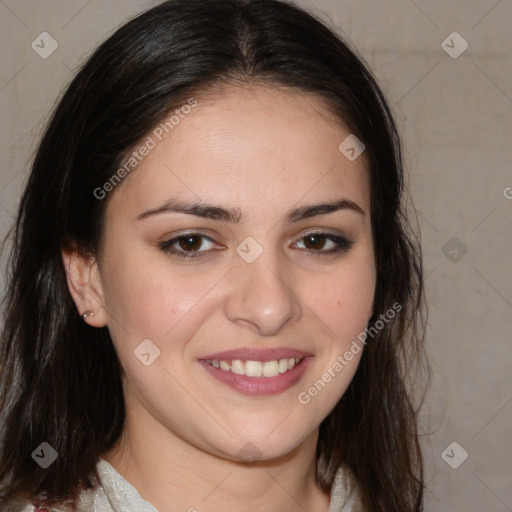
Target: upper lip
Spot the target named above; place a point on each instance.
(256, 354)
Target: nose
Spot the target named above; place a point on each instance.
(261, 297)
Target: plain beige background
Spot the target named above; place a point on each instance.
(455, 115)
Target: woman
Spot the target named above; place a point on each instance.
(215, 301)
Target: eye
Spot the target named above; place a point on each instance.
(325, 243)
(187, 245)
(193, 245)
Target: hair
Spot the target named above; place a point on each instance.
(60, 379)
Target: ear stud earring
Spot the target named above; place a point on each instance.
(87, 314)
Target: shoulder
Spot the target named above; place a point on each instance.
(18, 506)
(29, 507)
(344, 493)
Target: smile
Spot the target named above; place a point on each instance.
(256, 368)
(257, 371)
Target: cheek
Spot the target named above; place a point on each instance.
(147, 298)
(152, 300)
(343, 299)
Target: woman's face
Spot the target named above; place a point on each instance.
(247, 289)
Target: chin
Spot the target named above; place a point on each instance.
(258, 447)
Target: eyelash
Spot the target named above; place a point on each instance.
(343, 245)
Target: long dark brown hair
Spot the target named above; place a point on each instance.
(60, 379)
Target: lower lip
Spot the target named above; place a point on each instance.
(259, 386)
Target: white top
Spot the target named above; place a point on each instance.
(115, 494)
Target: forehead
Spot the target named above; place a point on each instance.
(246, 146)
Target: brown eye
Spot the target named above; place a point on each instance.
(189, 245)
(315, 241)
(325, 243)
(190, 242)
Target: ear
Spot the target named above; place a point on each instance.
(85, 285)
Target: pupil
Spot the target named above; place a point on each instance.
(190, 242)
(316, 241)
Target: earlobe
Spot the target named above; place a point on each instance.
(85, 286)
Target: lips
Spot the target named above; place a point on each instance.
(254, 371)
(256, 354)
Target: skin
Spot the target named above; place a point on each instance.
(263, 151)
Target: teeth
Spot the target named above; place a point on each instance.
(271, 369)
(256, 368)
(238, 367)
(253, 369)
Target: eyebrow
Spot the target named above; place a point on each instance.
(233, 215)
